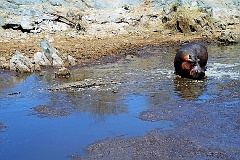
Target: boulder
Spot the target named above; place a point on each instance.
(41, 59)
(21, 63)
(51, 54)
(62, 73)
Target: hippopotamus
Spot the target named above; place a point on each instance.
(190, 61)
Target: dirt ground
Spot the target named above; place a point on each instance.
(86, 48)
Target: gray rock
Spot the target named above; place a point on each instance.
(72, 61)
(109, 4)
(58, 2)
(26, 2)
(21, 63)
(34, 15)
(41, 59)
(1, 21)
(8, 6)
(26, 23)
(51, 53)
(31, 11)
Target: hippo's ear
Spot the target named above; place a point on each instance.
(185, 57)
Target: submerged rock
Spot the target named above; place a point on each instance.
(46, 110)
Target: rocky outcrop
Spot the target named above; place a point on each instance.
(48, 57)
(60, 15)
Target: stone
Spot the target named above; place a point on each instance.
(110, 4)
(3, 63)
(72, 61)
(41, 59)
(37, 67)
(1, 21)
(21, 63)
(228, 36)
(62, 73)
(25, 2)
(167, 32)
(51, 54)
(26, 23)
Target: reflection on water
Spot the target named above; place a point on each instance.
(102, 111)
(189, 89)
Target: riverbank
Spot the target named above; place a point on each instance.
(85, 48)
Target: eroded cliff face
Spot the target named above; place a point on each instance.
(118, 16)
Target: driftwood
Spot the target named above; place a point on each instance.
(80, 84)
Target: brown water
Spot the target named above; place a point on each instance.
(44, 124)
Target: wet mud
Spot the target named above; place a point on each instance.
(45, 110)
(134, 108)
(151, 146)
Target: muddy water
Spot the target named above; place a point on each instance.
(146, 95)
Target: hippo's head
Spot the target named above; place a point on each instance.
(192, 66)
(190, 61)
